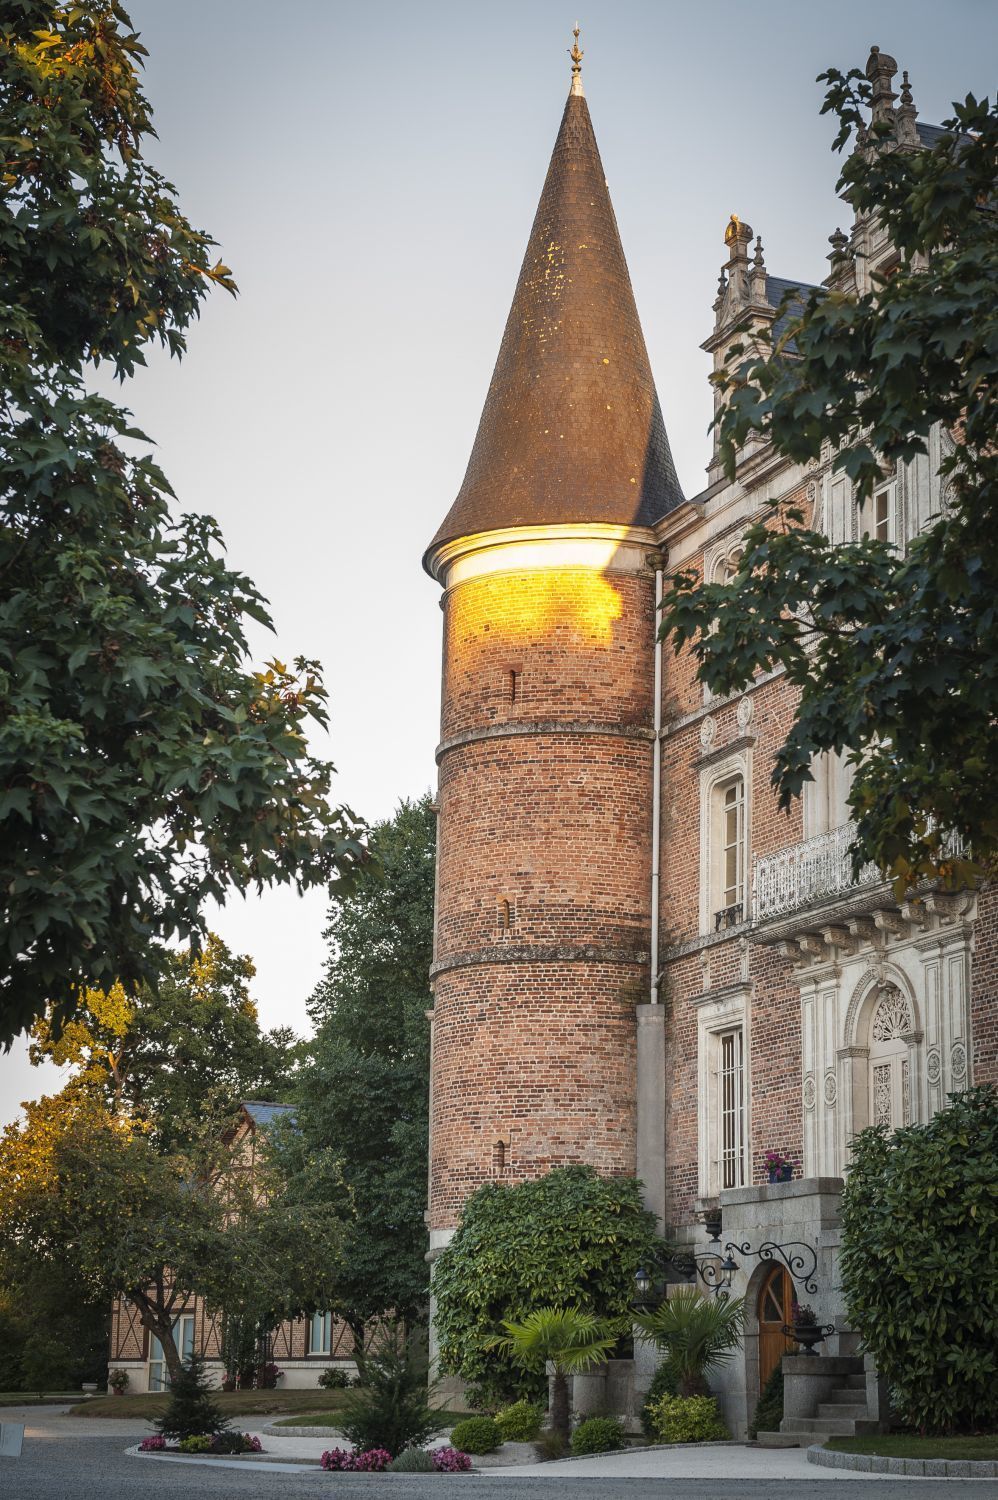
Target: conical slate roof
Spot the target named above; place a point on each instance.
(572, 430)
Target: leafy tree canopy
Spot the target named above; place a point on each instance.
(145, 766)
(919, 1262)
(895, 656)
(570, 1239)
(363, 1092)
(192, 1046)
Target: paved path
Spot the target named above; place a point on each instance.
(83, 1459)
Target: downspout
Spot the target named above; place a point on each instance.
(656, 791)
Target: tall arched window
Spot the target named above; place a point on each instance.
(890, 1084)
(728, 851)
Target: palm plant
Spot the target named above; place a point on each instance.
(696, 1333)
(567, 1338)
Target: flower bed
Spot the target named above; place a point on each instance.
(375, 1460)
(207, 1444)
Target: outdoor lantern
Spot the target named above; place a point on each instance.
(642, 1281)
(727, 1268)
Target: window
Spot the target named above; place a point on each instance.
(876, 514)
(890, 1082)
(729, 852)
(731, 1103)
(826, 795)
(183, 1333)
(320, 1331)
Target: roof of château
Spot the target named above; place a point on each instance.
(572, 429)
(265, 1114)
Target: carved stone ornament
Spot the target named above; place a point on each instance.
(933, 1067)
(810, 1092)
(893, 1018)
(830, 1089)
(708, 730)
(958, 1061)
(744, 712)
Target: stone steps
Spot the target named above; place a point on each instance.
(828, 1426)
(841, 1410)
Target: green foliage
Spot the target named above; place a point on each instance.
(477, 1435)
(412, 1461)
(665, 1382)
(391, 1408)
(697, 1334)
(598, 1435)
(192, 1410)
(568, 1239)
(145, 767)
(364, 1089)
(334, 1380)
(769, 1408)
(550, 1445)
(197, 1443)
(567, 1338)
(688, 1419)
(51, 1337)
(919, 1262)
(895, 657)
(519, 1423)
(172, 1055)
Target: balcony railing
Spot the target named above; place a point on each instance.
(807, 874)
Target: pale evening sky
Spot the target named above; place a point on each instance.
(371, 172)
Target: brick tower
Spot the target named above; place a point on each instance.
(547, 758)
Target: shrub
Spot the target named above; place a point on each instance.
(769, 1408)
(688, 1419)
(117, 1381)
(450, 1461)
(519, 1423)
(919, 1262)
(664, 1382)
(477, 1435)
(696, 1334)
(413, 1461)
(598, 1435)
(337, 1458)
(236, 1442)
(192, 1409)
(334, 1380)
(549, 1445)
(391, 1409)
(198, 1442)
(153, 1444)
(570, 1238)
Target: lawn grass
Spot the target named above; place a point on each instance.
(232, 1403)
(910, 1445)
(334, 1418)
(33, 1398)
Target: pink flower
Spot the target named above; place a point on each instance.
(450, 1461)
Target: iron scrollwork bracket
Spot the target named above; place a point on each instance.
(799, 1258)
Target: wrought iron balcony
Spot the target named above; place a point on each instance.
(808, 874)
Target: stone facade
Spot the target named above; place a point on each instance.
(640, 962)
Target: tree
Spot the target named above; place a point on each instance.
(190, 1047)
(363, 1092)
(568, 1339)
(192, 1410)
(895, 656)
(919, 1262)
(696, 1334)
(570, 1239)
(145, 766)
(89, 1204)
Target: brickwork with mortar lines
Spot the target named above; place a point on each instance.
(540, 1056)
(579, 642)
(984, 989)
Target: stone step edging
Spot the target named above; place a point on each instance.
(929, 1468)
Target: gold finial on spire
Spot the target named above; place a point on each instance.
(576, 54)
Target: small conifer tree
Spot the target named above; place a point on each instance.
(193, 1410)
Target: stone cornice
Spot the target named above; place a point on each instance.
(540, 953)
(544, 727)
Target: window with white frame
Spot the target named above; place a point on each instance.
(877, 514)
(723, 1093)
(826, 795)
(731, 1108)
(728, 850)
(320, 1331)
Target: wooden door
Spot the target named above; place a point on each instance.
(776, 1297)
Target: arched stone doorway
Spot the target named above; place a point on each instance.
(775, 1305)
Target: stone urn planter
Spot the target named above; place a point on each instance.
(809, 1335)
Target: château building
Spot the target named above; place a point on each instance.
(639, 963)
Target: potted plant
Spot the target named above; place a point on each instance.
(805, 1329)
(117, 1381)
(780, 1167)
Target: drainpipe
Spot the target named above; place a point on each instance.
(656, 792)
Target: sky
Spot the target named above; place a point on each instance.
(371, 172)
